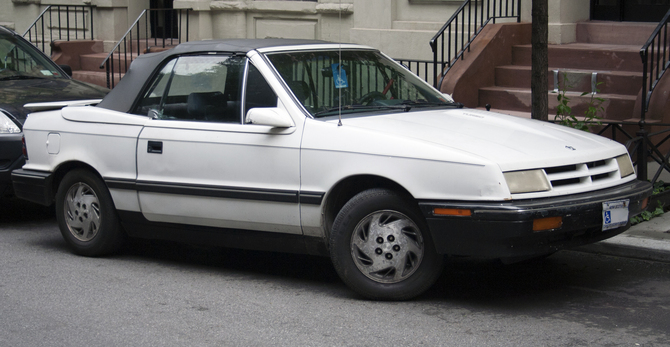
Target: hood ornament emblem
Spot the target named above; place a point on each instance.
(570, 147)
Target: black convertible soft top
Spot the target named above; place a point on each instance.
(122, 97)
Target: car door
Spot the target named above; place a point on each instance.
(198, 163)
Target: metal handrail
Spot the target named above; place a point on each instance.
(654, 66)
(657, 70)
(494, 10)
(67, 8)
(125, 44)
(128, 32)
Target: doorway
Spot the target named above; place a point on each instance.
(629, 10)
(164, 21)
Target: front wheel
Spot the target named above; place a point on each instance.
(86, 215)
(381, 247)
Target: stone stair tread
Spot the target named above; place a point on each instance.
(521, 114)
(572, 70)
(614, 32)
(592, 47)
(647, 121)
(527, 90)
(105, 54)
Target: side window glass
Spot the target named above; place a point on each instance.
(197, 88)
(258, 92)
(152, 98)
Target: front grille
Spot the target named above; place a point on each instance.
(584, 174)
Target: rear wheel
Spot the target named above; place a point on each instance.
(86, 215)
(381, 247)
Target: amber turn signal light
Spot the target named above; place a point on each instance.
(452, 212)
(548, 223)
(645, 202)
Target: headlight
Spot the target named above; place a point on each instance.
(526, 181)
(625, 165)
(7, 126)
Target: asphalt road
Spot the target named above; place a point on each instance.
(166, 294)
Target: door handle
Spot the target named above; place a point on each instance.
(155, 147)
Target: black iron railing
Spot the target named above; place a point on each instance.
(61, 22)
(422, 68)
(655, 62)
(456, 35)
(130, 46)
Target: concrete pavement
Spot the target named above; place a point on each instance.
(648, 240)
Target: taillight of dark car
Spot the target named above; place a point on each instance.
(25, 150)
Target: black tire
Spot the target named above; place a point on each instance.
(86, 215)
(398, 262)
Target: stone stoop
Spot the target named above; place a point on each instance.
(85, 57)
(606, 53)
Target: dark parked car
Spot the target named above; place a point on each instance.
(27, 75)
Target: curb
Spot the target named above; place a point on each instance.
(631, 247)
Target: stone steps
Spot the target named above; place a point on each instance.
(579, 80)
(85, 58)
(608, 49)
(616, 106)
(587, 56)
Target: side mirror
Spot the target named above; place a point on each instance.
(67, 69)
(272, 116)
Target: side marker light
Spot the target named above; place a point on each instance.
(24, 149)
(452, 212)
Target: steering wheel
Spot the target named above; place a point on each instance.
(371, 97)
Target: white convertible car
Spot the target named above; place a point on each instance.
(319, 148)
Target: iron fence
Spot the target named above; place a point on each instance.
(422, 68)
(130, 46)
(655, 62)
(60, 22)
(454, 38)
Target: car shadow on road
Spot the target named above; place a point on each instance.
(14, 210)
(463, 280)
(294, 266)
(487, 282)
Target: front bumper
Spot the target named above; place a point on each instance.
(505, 229)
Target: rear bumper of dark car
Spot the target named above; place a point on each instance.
(11, 158)
(505, 229)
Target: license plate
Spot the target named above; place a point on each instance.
(615, 214)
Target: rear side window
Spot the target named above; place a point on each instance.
(196, 88)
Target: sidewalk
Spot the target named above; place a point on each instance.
(648, 240)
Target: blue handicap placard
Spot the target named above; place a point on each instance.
(339, 76)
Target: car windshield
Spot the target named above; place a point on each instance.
(328, 82)
(20, 60)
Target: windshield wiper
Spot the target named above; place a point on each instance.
(20, 77)
(363, 107)
(415, 103)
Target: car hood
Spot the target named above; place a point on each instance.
(513, 143)
(16, 93)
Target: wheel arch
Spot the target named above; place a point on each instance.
(66, 167)
(348, 187)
